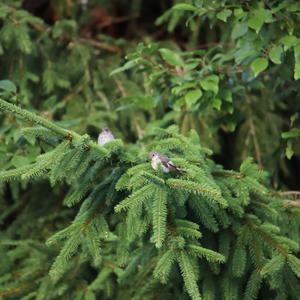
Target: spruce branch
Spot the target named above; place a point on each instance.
(14, 174)
(159, 218)
(294, 263)
(138, 196)
(273, 265)
(208, 254)
(33, 118)
(163, 266)
(187, 229)
(198, 188)
(188, 274)
(253, 286)
(60, 264)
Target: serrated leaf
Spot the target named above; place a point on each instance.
(224, 15)
(192, 97)
(259, 65)
(171, 57)
(275, 54)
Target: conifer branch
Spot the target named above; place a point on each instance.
(33, 118)
(159, 216)
(197, 188)
(253, 286)
(188, 275)
(14, 174)
(163, 266)
(138, 196)
(273, 265)
(208, 254)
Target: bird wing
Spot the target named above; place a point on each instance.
(167, 163)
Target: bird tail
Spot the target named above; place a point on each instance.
(180, 170)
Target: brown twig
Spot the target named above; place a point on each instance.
(101, 45)
(292, 193)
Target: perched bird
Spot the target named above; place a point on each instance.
(105, 136)
(163, 162)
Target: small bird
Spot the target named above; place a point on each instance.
(105, 136)
(158, 160)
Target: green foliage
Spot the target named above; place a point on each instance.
(81, 220)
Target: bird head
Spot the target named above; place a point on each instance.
(153, 154)
(106, 130)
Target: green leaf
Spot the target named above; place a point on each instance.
(275, 54)
(289, 152)
(258, 18)
(289, 41)
(259, 65)
(239, 30)
(184, 7)
(210, 83)
(227, 95)
(8, 86)
(293, 133)
(171, 57)
(224, 15)
(130, 64)
(144, 102)
(238, 12)
(216, 103)
(177, 90)
(192, 97)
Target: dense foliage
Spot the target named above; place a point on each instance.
(207, 83)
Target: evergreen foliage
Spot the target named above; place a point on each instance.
(138, 223)
(81, 220)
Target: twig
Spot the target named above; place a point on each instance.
(100, 45)
(293, 193)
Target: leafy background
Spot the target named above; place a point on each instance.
(227, 69)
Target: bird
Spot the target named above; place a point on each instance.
(105, 136)
(163, 162)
